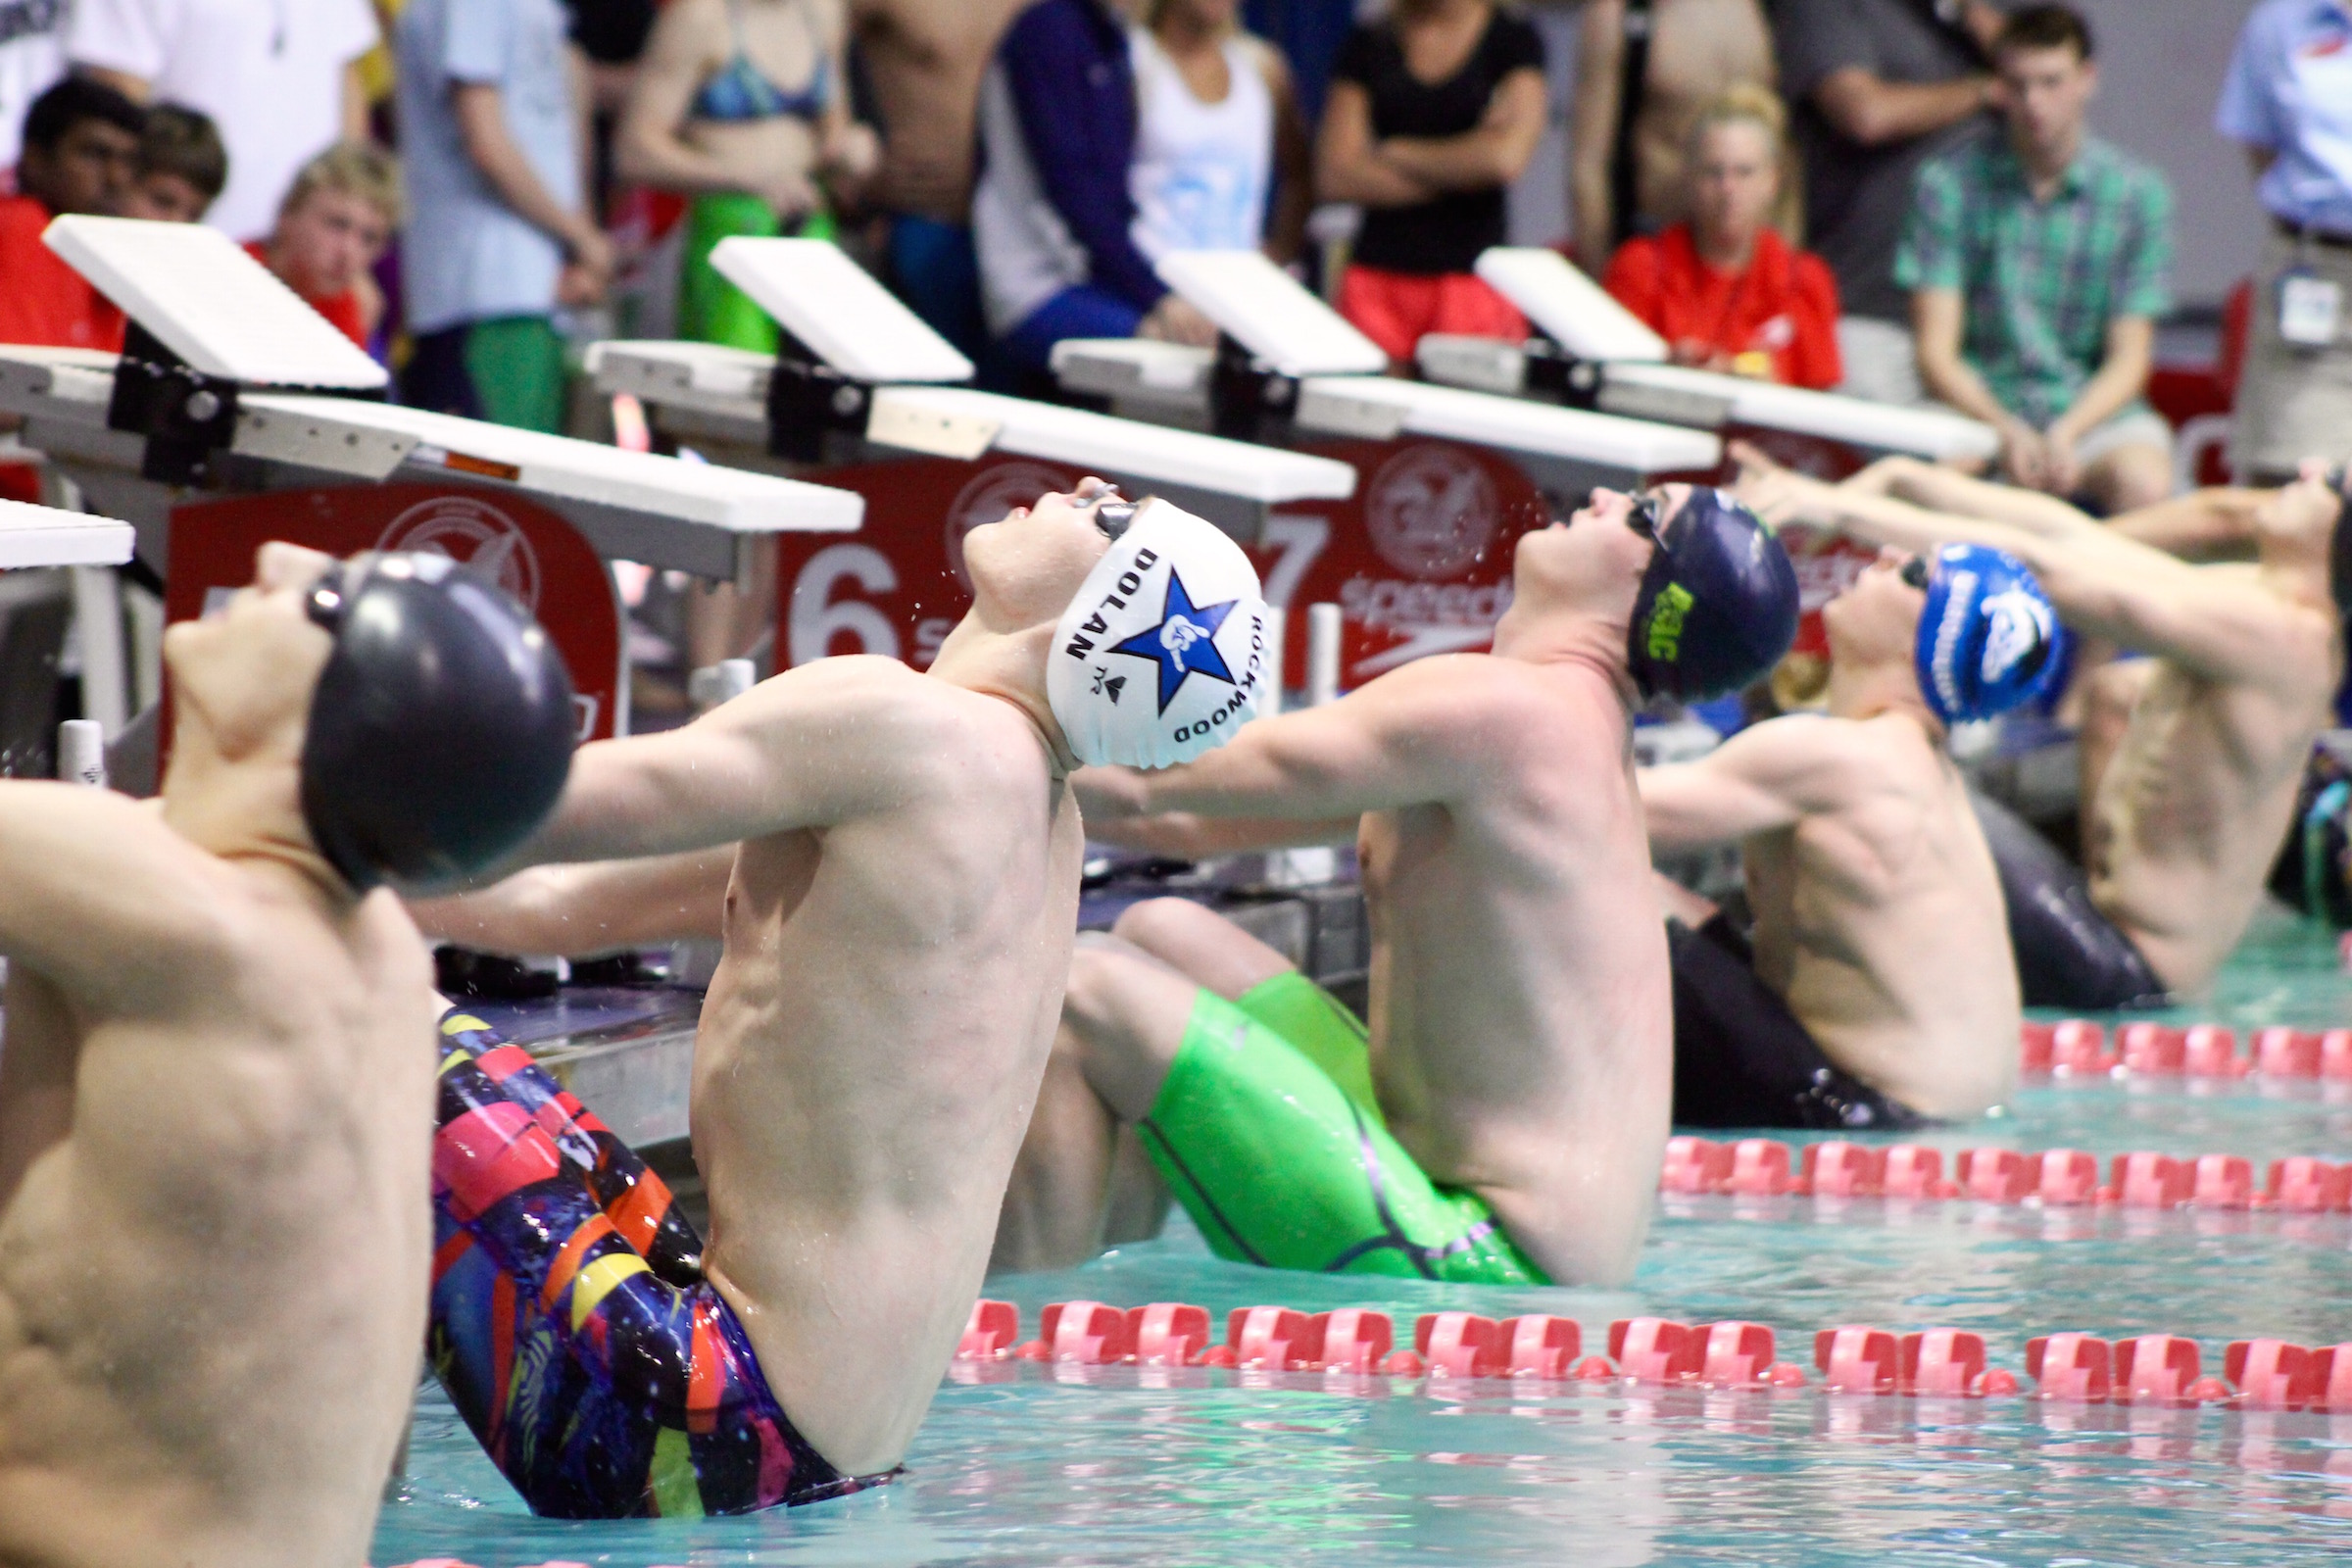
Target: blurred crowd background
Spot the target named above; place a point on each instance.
(2103, 231)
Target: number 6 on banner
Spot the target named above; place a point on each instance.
(816, 616)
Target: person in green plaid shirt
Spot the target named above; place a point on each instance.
(2038, 263)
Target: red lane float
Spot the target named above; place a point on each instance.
(2163, 1370)
(2077, 1049)
(2055, 1178)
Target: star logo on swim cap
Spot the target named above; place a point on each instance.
(1184, 643)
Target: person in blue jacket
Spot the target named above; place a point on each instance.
(1052, 215)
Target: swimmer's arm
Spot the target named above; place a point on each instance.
(102, 898)
(586, 909)
(1406, 739)
(2216, 623)
(1762, 779)
(1936, 488)
(2217, 522)
(814, 747)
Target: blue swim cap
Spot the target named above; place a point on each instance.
(1988, 636)
(442, 729)
(1718, 604)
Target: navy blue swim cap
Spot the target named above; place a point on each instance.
(1718, 604)
(441, 731)
(1988, 637)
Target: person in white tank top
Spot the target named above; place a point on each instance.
(1220, 149)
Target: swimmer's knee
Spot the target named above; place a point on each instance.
(1159, 924)
(1202, 944)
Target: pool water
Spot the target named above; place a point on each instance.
(1027, 1464)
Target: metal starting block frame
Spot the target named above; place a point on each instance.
(237, 413)
(1287, 368)
(859, 375)
(1590, 351)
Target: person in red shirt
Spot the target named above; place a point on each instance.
(82, 144)
(331, 231)
(1724, 289)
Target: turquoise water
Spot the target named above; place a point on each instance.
(1022, 1464)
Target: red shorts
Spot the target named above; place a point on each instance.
(1395, 310)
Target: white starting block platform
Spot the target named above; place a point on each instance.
(218, 340)
(1302, 363)
(44, 536)
(1616, 361)
(874, 373)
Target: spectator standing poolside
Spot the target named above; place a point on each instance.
(280, 78)
(1879, 87)
(492, 127)
(924, 60)
(1052, 217)
(1630, 134)
(33, 56)
(331, 232)
(2288, 99)
(1434, 111)
(1219, 143)
(1723, 288)
(2039, 265)
(744, 105)
(80, 145)
(181, 168)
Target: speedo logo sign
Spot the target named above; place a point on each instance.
(1130, 583)
(1666, 617)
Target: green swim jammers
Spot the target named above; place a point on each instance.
(1268, 1134)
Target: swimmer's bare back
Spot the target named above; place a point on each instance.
(2191, 812)
(216, 1118)
(1878, 908)
(898, 926)
(1521, 1027)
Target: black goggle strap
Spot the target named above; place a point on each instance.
(1915, 572)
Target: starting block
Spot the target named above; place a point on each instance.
(44, 536)
(1419, 560)
(236, 414)
(1590, 352)
(860, 395)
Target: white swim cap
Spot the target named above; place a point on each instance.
(1161, 654)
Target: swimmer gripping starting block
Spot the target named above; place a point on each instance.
(236, 414)
(1591, 352)
(856, 363)
(1288, 368)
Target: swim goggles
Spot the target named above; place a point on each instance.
(1113, 511)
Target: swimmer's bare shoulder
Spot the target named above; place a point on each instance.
(819, 745)
(191, 1348)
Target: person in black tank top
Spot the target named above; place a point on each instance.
(1429, 161)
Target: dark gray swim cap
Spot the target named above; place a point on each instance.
(442, 729)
